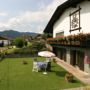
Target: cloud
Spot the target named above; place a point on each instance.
(34, 18)
(3, 14)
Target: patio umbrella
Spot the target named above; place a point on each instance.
(46, 54)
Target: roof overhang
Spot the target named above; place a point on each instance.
(3, 38)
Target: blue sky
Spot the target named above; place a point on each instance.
(26, 15)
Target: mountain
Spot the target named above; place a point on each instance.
(14, 34)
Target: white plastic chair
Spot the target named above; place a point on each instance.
(35, 67)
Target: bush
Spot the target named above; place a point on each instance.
(2, 55)
(18, 42)
(69, 77)
(38, 46)
(25, 43)
(16, 51)
(54, 60)
(25, 62)
(23, 51)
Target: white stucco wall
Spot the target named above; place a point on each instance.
(63, 24)
(87, 65)
(5, 42)
(68, 56)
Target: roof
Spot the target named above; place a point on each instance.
(59, 11)
(3, 38)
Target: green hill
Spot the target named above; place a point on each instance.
(14, 34)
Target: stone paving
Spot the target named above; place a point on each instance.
(79, 88)
(82, 76)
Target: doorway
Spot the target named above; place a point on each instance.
(73, 61)
(80, 60)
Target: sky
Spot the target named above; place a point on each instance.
(26, 15)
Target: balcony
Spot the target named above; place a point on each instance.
(80, 40)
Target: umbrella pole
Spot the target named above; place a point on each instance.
(45, 70)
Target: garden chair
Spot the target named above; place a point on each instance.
(35, 67)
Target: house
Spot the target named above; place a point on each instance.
(39, 36)
(27, 38)
(70, 26)
(4, 41)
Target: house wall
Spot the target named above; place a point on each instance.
(5, 42)
(87, 62)
(63, 24)
(68, 56)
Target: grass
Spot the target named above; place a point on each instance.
(14, 75)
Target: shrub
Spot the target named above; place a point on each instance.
(38, 46)
(54, 60)
(25, 43)
(18, 42)
(69, 77)
(25, 62)
(2, 55)
(23, 51)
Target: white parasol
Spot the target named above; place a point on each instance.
(46, 54)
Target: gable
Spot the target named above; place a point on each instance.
(59, 11)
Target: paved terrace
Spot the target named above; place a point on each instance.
(82, 76)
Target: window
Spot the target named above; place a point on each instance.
(59, 34)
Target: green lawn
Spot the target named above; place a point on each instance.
(14, 75)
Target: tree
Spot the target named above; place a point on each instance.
(38, 45)
(25, 43)
(18, 42)
(47, 35)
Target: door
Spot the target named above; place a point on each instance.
(73, 58)
(80, 60)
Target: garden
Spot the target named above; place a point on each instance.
(15, 75)
(16, 65)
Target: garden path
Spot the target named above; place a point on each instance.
(82, 76)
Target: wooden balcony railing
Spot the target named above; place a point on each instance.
(71, 43)
(82, 40)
